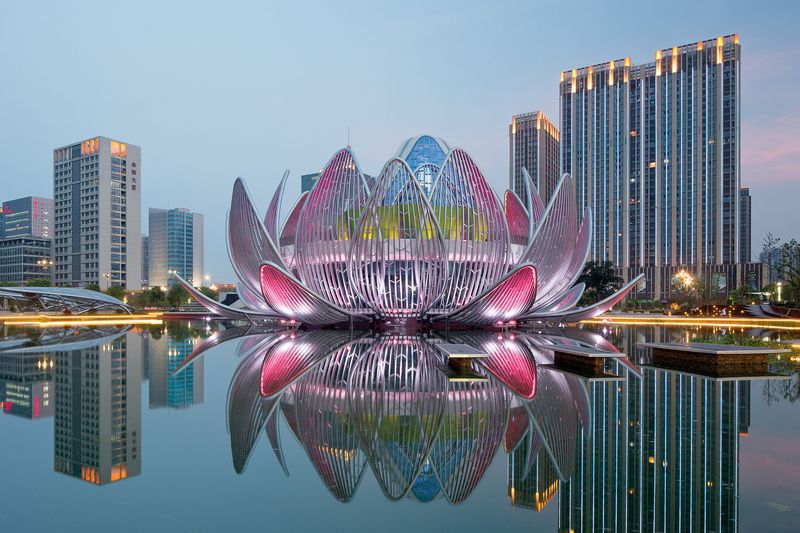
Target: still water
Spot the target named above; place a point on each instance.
(341, 431)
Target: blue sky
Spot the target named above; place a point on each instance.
(211, 91)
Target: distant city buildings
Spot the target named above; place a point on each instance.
(655, 152)
(534, 146)
(175, 244)
(98, 411)
(97, 195)
(307, 181)
(26, 239)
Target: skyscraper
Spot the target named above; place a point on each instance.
(98, 416)
(533, 145)
(26, 239)
(175, 244)
(307, 181)
(97, 188)
(745, 221)
(26, 384)
(654, 151)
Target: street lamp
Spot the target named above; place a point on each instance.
(780, 288)
(45, 264)
(107, 275)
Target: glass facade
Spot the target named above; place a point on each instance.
(175, 244)
(654, 150)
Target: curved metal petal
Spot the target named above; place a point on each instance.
(474, 230)
(536, 209)
(289, 232)
(555, 418)
(274, 209)
(249, 244)
(398, 262)
(585, 313)
(510, 360)
(398, 396)
(476, 416)
(290, 358)
(326, 425)
(218, 337)
(510, 298)
(247, 410)
(568, 299)
(291, 299)
(579, 254)
(221, 309)
(519, 223)
(325, 228)
(553, 242)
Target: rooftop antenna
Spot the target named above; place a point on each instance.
(348, 137)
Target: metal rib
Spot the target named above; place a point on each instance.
(289, 232)
(221, 309)
(536, 208)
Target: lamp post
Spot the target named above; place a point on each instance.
(107, 276)
(780, 289)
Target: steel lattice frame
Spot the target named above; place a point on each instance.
(398, 262)
(474, 230)
(398, 397)
(325, 228)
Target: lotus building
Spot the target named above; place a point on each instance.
(427, 241)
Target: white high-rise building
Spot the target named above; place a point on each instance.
(97, 212)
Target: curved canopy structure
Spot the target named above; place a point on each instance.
(66, 299)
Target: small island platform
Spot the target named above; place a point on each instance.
(715, 360)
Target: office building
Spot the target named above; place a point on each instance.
(145, 261)
(655, 152)
(307, 181)
(168, 389)
(98, 411)
(26, 385)
(533, 144)
(27, 217)
(97, 209)
(25, 239)
(745, 222)
(175, 244)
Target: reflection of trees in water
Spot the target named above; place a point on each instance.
(788, 390)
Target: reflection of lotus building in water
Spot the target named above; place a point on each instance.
(427, 239)
(380, 403)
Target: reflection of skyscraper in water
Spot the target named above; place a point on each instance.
(26, 384)
(663, 455)
(168, 390)
(532, 481)
(98, 411)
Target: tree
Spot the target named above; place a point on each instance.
(116, 291)
(38, 282)
(155, 296)
(177, 295)
(789, 269)
(93, 287)
(771, 242)
(211, 293)
(601, 280)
